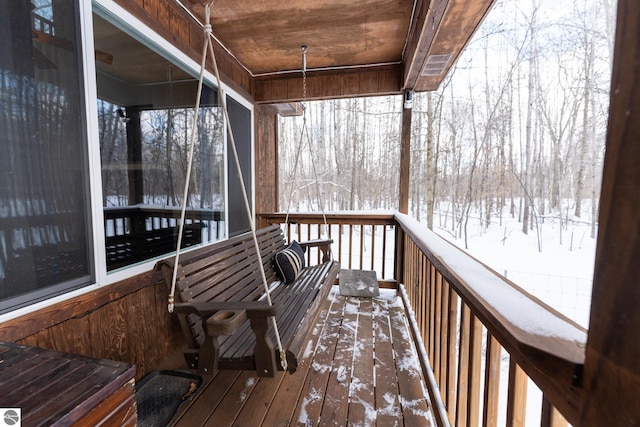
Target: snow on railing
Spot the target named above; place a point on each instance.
(463, 310)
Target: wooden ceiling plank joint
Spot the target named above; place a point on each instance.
(466, 17)
(426, 22)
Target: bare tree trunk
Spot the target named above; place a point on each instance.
(610, 24)
(595, 183)
(431, 172)
(417, 172)
(582, 163)
(529, 119)
(527, 160)
(353, 137)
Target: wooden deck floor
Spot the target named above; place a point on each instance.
(359, 369)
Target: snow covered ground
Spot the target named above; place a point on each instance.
(560, 274)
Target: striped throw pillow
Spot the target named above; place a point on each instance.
(289, 262)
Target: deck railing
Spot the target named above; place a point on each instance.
(140, 232)
(488, 345)
(363, 242)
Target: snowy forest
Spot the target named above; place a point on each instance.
(517, 128)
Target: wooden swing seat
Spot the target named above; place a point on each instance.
(222, 307)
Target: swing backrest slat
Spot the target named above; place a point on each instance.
(223, 271)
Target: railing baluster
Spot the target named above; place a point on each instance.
(463, 367)
(491, 382)
(551, 417)
(373, 246)
(361, 246)
(309, 226)
(437, 314)
(442, 378)
(475, 363)
(516, 396)
(384, 251)
(452, 368)
(350, 244)
(339, 241)
(413, 273)
(432, 310)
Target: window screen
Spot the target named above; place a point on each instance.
(44, 214)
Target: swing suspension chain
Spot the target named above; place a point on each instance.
(305, 133)
(303, 48)
(208, 46)
(304, 76)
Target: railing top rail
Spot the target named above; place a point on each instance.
(171, 211)
(504, 304)
(346, 217)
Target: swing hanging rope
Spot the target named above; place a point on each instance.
(208, 47)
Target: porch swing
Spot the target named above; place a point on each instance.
(236, 297)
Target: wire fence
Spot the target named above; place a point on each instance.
(569, 295)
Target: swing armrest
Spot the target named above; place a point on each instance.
(224, 318)
(207, 309)
(324, 245)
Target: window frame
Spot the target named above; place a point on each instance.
(125, 21)
(41, 296)
(122, 19)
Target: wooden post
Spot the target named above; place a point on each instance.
(399, 255)
(405, 154)
(134, 156)
(612, 366)
(266, 163)
(136, 180)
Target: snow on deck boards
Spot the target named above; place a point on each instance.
(359, 368)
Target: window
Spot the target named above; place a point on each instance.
(45, 243)
(145, 117)
(240, 118)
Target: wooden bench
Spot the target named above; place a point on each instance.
(222, 307)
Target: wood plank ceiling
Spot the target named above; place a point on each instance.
(420, 39)
(266, 35)
(355, 47)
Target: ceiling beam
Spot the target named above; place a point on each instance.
(440, 31)
(424, 25)
(329, 84)
(460, 21)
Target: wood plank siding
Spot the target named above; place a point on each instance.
(359, 368)
(126, 322)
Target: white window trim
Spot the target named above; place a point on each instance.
(122, 19)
